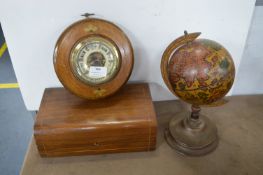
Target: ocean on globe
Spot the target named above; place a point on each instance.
(201, 72)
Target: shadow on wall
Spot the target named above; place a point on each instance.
(249, 78)
(141, 59)
(159, 93)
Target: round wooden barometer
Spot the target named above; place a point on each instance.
(93, 58)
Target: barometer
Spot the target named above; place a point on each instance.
(93, 58)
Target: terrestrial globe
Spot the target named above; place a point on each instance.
(199, 72)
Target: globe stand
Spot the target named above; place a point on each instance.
(194, 135)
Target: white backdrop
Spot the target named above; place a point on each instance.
(32, 27)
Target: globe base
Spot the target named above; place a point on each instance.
(194, 135)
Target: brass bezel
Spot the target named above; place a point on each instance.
(82, 43)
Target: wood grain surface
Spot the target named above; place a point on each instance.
(84, 29)
(68, 125)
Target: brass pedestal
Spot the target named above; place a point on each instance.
(192, 134)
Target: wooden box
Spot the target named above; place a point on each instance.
(67, 125)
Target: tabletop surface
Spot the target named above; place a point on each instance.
(240, 128)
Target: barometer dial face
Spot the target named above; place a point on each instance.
(95, 60)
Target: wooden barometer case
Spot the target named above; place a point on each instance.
(96, 113)
(93, 58)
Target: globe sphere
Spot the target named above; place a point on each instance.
(201, 72)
